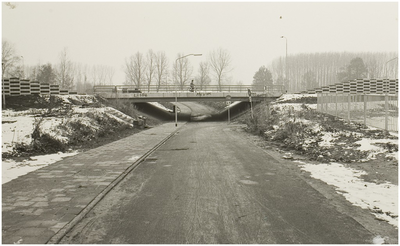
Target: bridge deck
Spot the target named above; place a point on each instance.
(237, 93)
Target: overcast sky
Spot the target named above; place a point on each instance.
(108, 33)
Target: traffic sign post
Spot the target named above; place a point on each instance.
(176, 111)
(228, 102)
(251, 104)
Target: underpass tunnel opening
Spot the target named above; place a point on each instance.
(162, 114)
(157, 112)
(234, 111)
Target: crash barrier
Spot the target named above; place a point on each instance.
(18, 87)
(376, 110)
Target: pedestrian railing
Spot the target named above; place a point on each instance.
(174, 88)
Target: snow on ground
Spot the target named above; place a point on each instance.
(380, 199)
(288, 97)
(158, 105)
(370, 146)
(84, 99)
(292, 107)
(329, 139)
(12, 169)
(17, 127)
(233, 104)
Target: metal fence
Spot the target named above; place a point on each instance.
(376, 110)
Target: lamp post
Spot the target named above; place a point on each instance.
(176, 93)
(286, 67)
(2, 82)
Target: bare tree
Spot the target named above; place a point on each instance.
(135, 68)
(110, 71)
(79, 75)
(161, 67)
(220, 62)
(150, 67)
(87, 85)
(32, 72)
(129, 74)
(203, 79)
(65, 71)
(94, 75)
(9, 60)
(100, 73)
(321, 69)
(182, 71)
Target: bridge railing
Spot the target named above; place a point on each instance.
(173, 88)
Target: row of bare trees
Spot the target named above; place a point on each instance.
(66, 73)
(153, 69)
(141, 70)
(303, 71)
(311, 70)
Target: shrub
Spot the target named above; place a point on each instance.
(125, 107)
(43, 142)
(80, 132)
(47, 144)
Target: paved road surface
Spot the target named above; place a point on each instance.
(207, 185)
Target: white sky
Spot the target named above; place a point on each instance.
(107, 33)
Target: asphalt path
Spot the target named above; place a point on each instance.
(210, 185)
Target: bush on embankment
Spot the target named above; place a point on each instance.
(52, 135)
(298, 128)
(70, 123)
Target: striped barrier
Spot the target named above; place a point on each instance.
(17, 87)
(361, 86)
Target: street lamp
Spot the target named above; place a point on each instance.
(189, 55)
(176, 93)
(286, 67)
(2, 82)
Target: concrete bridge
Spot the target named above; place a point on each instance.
(171, 93)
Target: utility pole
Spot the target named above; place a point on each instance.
(286, 64)
(2, 82)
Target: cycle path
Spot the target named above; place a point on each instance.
(40, 205)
